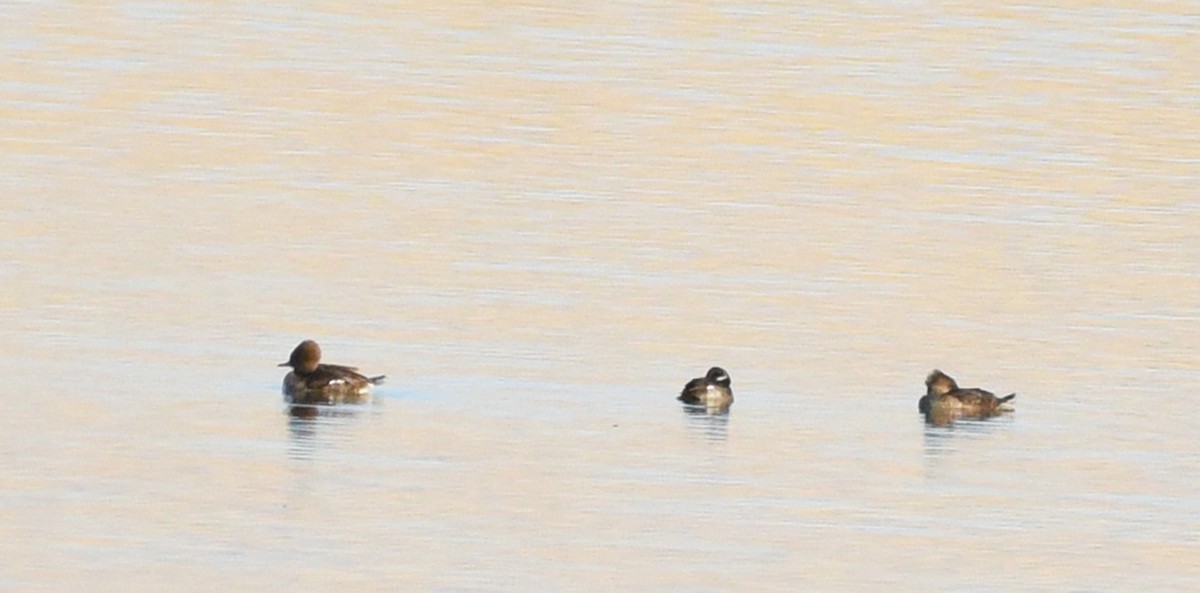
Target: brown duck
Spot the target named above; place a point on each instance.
(311, 382)
(945, 401)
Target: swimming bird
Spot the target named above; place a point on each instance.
(945, 401)
(712, 390)
(311, 382)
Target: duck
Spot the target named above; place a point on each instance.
(945, 401)
(311, 382)
(712, 390)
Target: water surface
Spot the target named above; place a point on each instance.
(540, 222)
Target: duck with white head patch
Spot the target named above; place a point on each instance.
(711, 391)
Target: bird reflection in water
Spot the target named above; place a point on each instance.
(712, 422)
(943, 439)
(313, 427)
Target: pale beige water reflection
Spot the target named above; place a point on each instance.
(539, 222)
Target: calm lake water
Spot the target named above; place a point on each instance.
(540, 222)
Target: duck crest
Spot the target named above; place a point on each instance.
(305, 358)
(939, 383)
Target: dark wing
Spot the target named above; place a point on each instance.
(345, 371)
(690, 392)
(974, 396)
(326, 373)
(977, 401)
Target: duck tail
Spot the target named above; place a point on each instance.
(1008, 397)
(376, 380)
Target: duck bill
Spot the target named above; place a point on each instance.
(283, 364)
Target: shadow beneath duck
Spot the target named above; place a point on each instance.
(313, 427)
(712, 422)
(942, 439)
(325, 399)
(948, 416)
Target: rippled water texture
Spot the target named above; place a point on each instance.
(540, 222)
